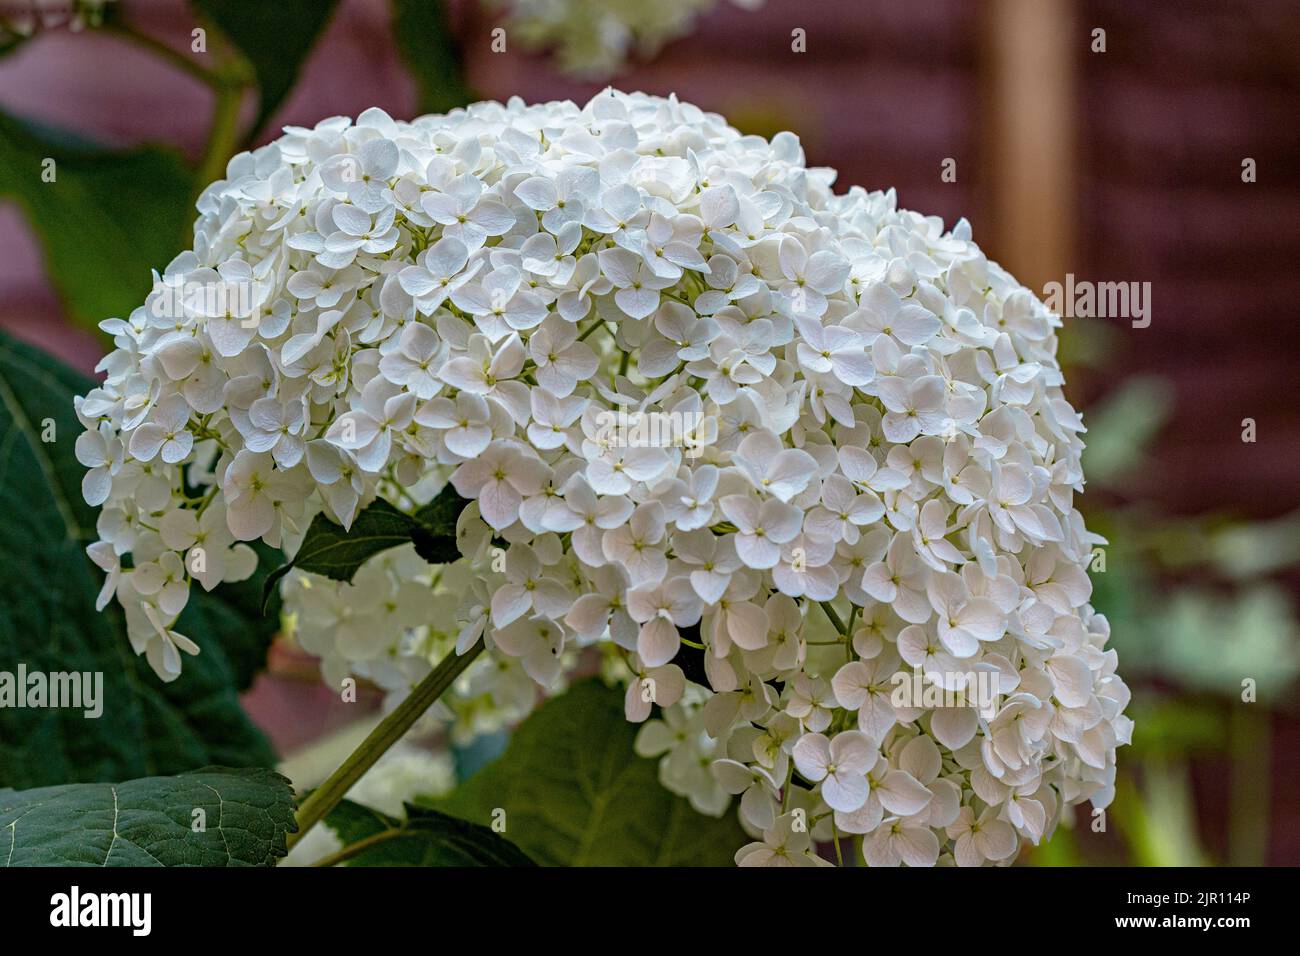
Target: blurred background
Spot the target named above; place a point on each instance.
(1108, 140)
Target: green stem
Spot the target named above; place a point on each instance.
(592, 328)
(835, 620)
(230, 79)
(390, 730)
(1250, 742)
(353, 849)
(223, 138)
(163, 51)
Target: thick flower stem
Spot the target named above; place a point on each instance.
(390, 730)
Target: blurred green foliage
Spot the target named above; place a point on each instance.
(1195, 610)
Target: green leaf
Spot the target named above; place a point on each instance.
(231, 615)
(338, 553)
(105, 221)
(576, 794)
(352, 821)
(151, 822)
(48, 620)
(275, 38)
(426, 42)
(10, 40)
(425, 838)
(435, 534)
(1122, 428)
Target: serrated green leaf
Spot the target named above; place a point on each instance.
(245, 816)
(48, 620)
(275, 38)
(425, 838)
(105, 221)
(338, 552)
(576, 794)
(428, 47)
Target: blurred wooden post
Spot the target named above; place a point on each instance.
(1030, 51)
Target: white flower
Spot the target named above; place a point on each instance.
(843, 511)
(165, 432)
(661, 685)
(755, 785)
(101, 452)
(217, 558)
(440, 271)
(761, 528)
(102, 553)
(278, 429)
(867, 687)
(561, 360)
(466, 423)
(784, 844)
(899, 841)
(839, 764)
(499, 479)
(250, 509)
(638, 546)
(963, 620)
(774, 469)
(466, 213)
(526, 589)
(412, 363)
(661, 609)
(980, 839)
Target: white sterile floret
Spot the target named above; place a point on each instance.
(808, 449)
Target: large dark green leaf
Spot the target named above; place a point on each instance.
(427, 45)
(575, 794)
(425, 838)
(105, 221)
(48, 620)
(275, 38)
(155, 821)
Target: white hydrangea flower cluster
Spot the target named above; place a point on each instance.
(809, 447)
(595, 38)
